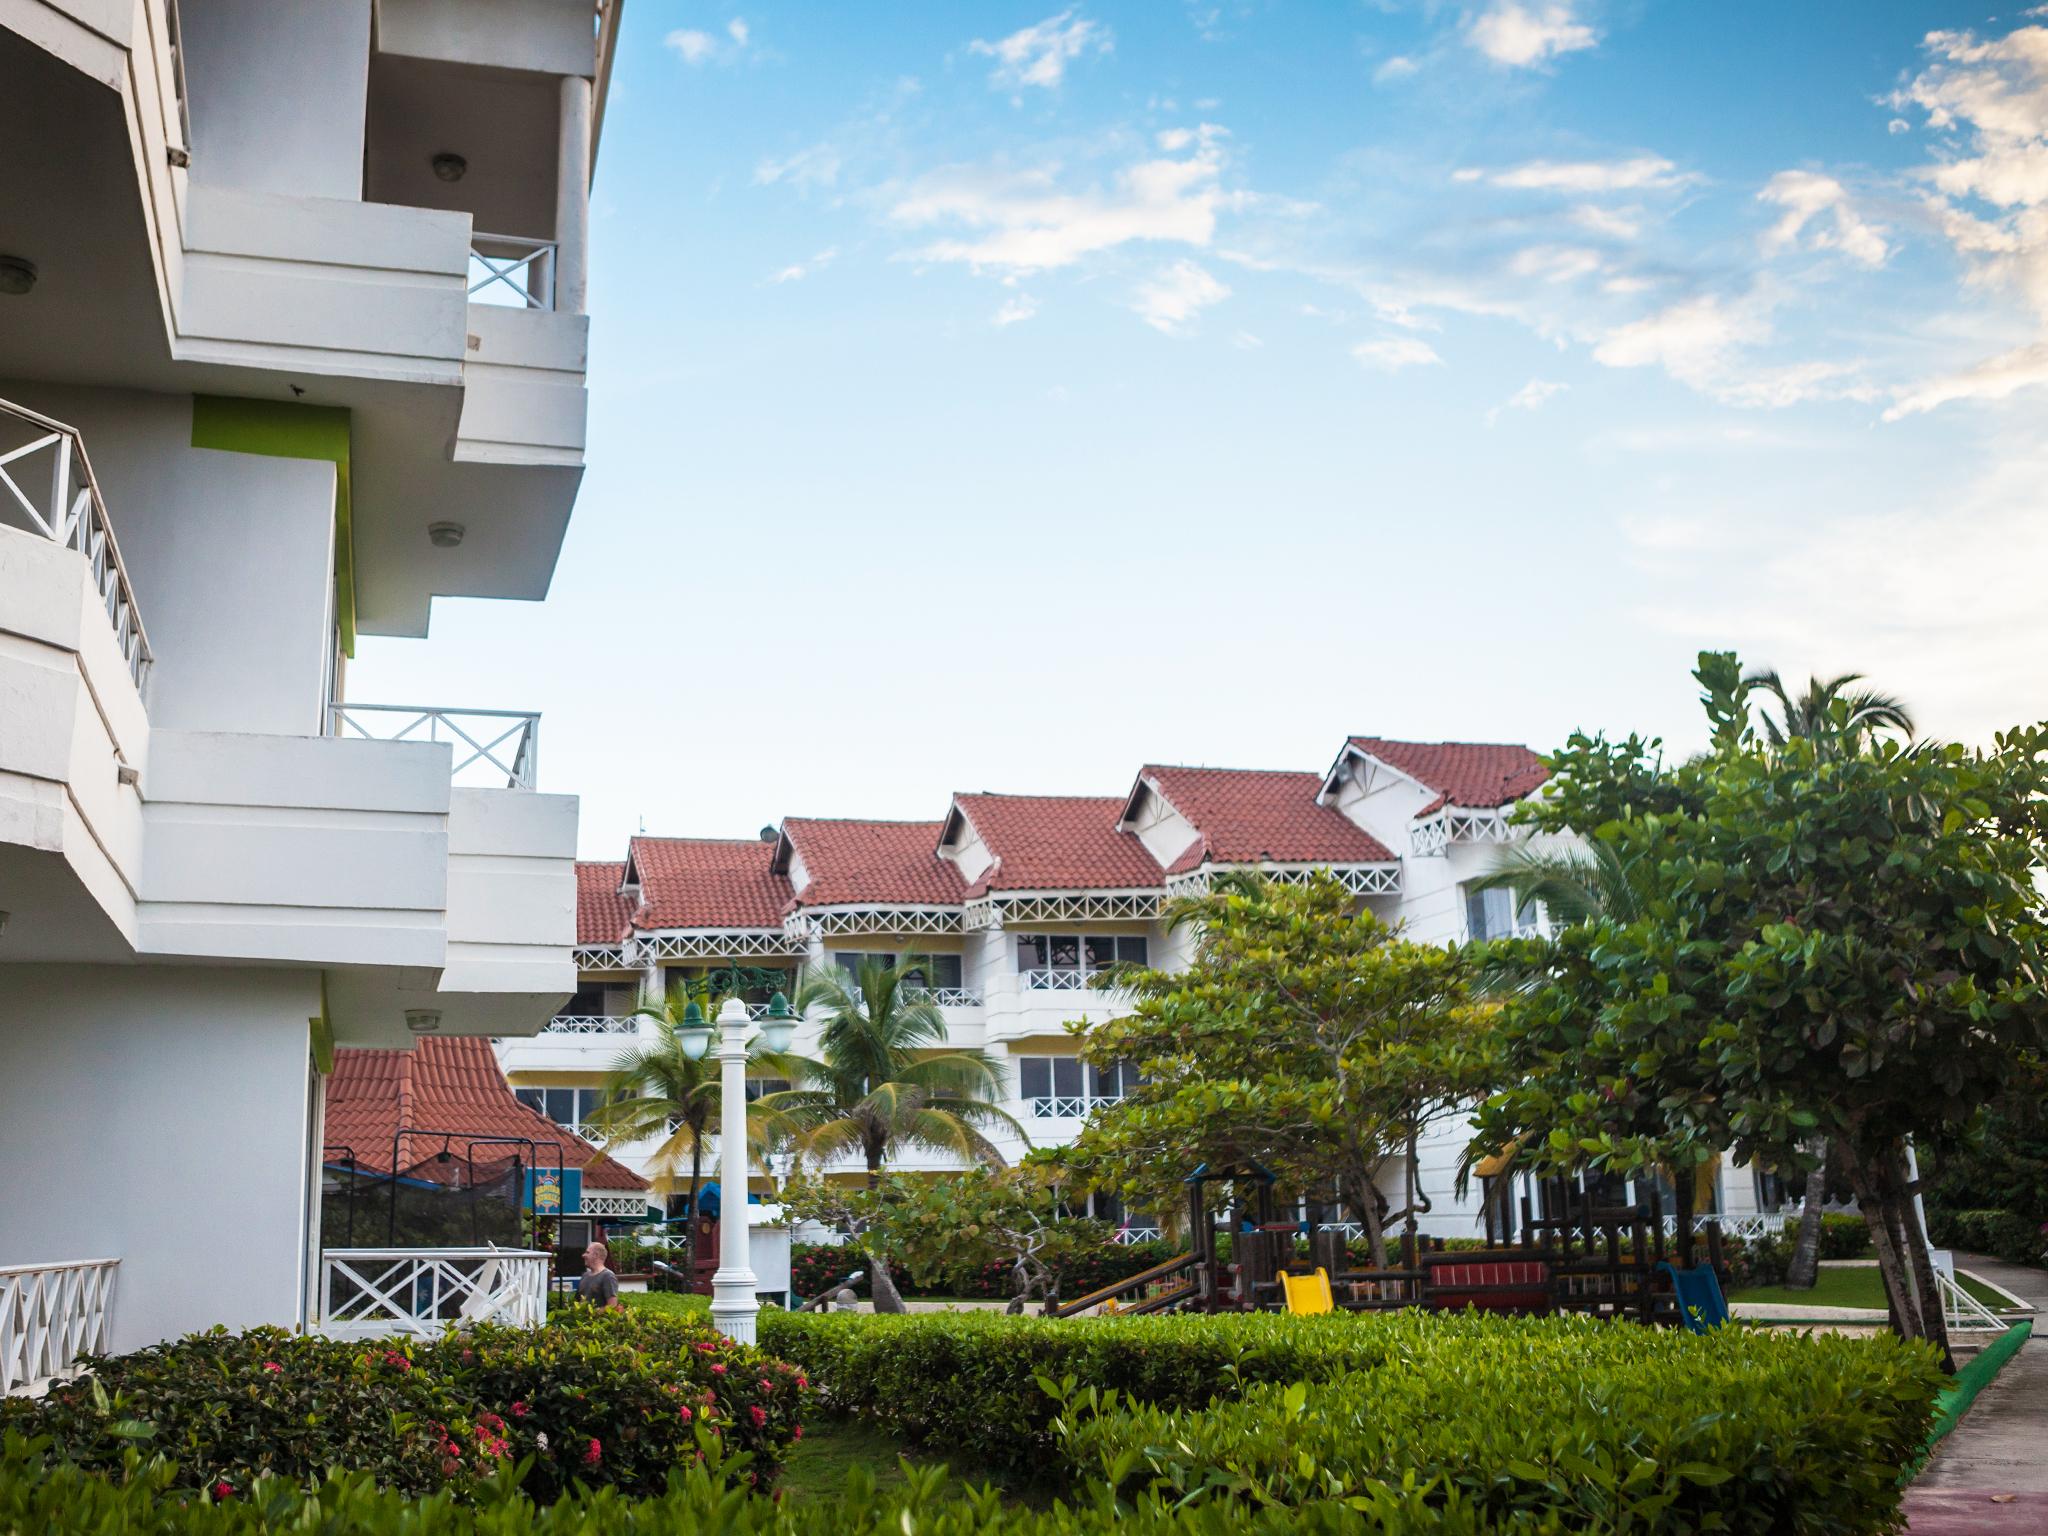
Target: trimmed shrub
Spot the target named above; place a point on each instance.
(1754, 1261)
(2004, 1235)
(1841, 1236)
(601, 1397)
(1608, 1427)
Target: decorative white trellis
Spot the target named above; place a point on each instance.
(512, 270)
(1131, 1236)
(1359, 879)
(50, 1315)
(371, 1293)
(946, 997)
(835, 922)
(62, 503)
(489, 743)
(591, 1024)
(715, 944)
(612, 1207)
(995, 912)
(1430, 837)
(1433, 834)
(602, 957)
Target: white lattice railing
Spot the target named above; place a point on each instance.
(488, 742)
(1067, 1106)
(374, 1293)
(1047, 980)
(47, 488)
(591, 1024)
(509, 270)
(1129, 1235)
(50, 1315)
(947, 997)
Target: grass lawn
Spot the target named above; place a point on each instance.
(1858, 1287)
(817, 1464)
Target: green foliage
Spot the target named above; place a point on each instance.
(2003, 1163)
(601, 1397)
(1592, 1425)
(1841, 1236)
(2004, 1235)
(1306, 1036)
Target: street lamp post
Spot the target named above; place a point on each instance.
(733, 1304)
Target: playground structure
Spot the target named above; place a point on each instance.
(1571, 1256)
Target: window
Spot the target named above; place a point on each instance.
(756, 1086)
(1062, 961)
(1108, 1084)
(587, 1003)
(1770, 1190)
(851, 960)
(1060, 1087)
(567, 1107)
(939, 972)
(1491, 914)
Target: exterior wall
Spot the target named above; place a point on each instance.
(277, 91)
(160, 1116)
(1165, 833)
(551, 37)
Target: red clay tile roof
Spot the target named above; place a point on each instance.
(1057, 843)
(706, 882)
(1479, 774)
(888, 862)
(444, 1083)
(1250, 815)
(603, 916)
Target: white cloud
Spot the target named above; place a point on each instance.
(1026, 222)
(817, 165)
(1396, 353)
(1809, 198)
(1018, 307)
(1245, 341)
(1556, 263)
(1898, 125)
(1532, 396)
(1582, 177)
(1399, 67)
(698, 47)
(1615, 223)
(1692, 340)
(1039, 54)
(799, 270)
(1993, 379)
(1521, 36)
(1175, 296)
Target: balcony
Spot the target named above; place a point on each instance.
(511, 271)
(1059, 979)
(494, 748)
(50, 1315)
(1066, 1106)
(946, 997)
(591, 1024)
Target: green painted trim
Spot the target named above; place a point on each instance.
(1963, 1387)
(322, 1035)
(280, 430)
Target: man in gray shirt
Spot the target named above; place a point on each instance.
(597, 1285)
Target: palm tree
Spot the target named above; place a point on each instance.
(1575, 885)
(657, 1092)
(885, 1080)
(1833, 714)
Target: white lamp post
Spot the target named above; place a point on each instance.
(733, 1307)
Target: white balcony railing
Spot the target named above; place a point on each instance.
(374, 1293)
(61, 502)
(50, 1315)
(488, 742)
(591, 1024)
(1057, 980)
(509, 270)
(946, 997)
(1130, 1235)
(1067, 1106)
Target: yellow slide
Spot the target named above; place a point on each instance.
(1307, 1295)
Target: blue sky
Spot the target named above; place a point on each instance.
(1004, 396)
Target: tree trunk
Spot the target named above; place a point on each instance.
(1933, 1311)
(1367, 1204)
(1892, 1264)
(881, 1284)
(690, 1215)
(1806, 1251)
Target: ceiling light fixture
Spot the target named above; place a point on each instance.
(17, 275)
(449, 166)
(445, 535)
(422, 1021)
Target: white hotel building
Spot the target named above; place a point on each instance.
(292, 340)
(1018, 899)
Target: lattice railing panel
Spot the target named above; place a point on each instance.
(1479, 826)
(840, 921)
(1061, 1106)
(490, 744)
(947, 997)
(369, 1293)
(50, 1315)
(1074, 907)
(723, 944)
(591, 1024)
(1359, 879)
(618, 1207)
(602, 957)
(1129, 1236)
(512, 270)
(1430, 837)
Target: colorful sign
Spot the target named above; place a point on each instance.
(547, 1193)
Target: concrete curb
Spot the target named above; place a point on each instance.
(1964, 1386)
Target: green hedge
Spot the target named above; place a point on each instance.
(605, 1398)
(2004, 1235)
(1595, 1425)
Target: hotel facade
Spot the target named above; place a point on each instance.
(292, 340)
(1019, 900)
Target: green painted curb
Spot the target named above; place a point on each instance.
(1964, 1386)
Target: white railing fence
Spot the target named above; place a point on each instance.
(489, 743)
(946, 997)
(591, 1024)
(374, 1293)
(61, 502)
(1056, 980)
(1126, 1236)
(509, 270)
(50, 1315)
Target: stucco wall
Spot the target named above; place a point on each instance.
(158, 1116)
(277, 91)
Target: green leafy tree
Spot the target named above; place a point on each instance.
(1837, 945)
(886, 1078)
(1306, 1036)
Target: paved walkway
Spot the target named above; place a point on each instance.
(1990, 1476)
